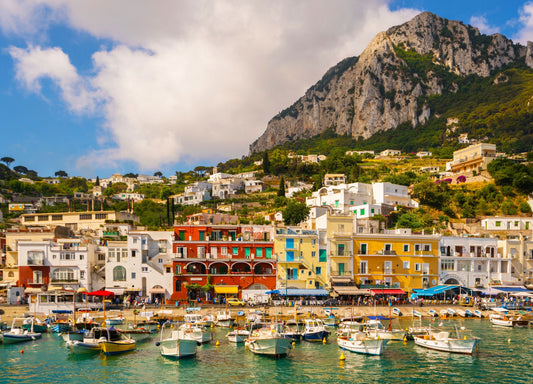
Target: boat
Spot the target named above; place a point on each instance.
(116, 347)
(293, 329)
(331, 320)
(461, 313)
(433, 313)
(269, 341)
(478, 313)
(38, 325)
(238, 335)
(347, 327)
(417, 314)
(194, 331)
(224, 319)
(115, 320)
(468, 313)
(396, 311)
(72, 335)
(314, 330)
(453, 341)
(18, 335)
(172, 347)
(360, 342)
(91, 342)
(451, 312)
(137, 334)
(508, 320)
(59, 327)
(376, 328)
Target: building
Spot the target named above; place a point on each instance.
(342, 198)
(334, 179)
(519, 252)
(423, 154)
(472, 158)
(129, 196)
(396, 259)
(473, 262)
(212, 219)
(214, 261)
(392, 194)
(226, 188)
(507, 223)
(390, 153)
(76, 220)
(300, 264)
(253, 186)
(194, 193)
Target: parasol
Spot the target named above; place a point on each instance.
(101, 293)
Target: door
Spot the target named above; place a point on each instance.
(364, 248)
(341, 269)
(290, 256)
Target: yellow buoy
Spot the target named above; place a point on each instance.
(464, 338)
(405, 339)
(324, 341)
(217, 343)
(342, 357)
(509, 341)
(293, 344)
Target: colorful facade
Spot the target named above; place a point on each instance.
(396, 260)
(301, 265)
(213, 261)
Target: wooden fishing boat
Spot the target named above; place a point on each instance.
(238, 335)
(118, 346)
(172, 347)
(269, 341)
(314, 330)
(508, 320)
(448, 341)
(363, 343)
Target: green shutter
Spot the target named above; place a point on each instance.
(181, 235)
(322, 255)
(259, 252)
(247, 252)
(268, 253)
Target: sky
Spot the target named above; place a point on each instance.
(97, 87)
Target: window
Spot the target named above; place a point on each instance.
(177, 269)
(168, 269)
(159, 260)
(133, 253)
(301, 241)
(362, 212)
(406, 247)
(133, 275)
(99, 216)
(363, 267)
(289, 243)
(322, 255)
(341, 228)
(119, 273)
(447, 265)
(388, 247)
(247, 252)
(235, 250)
(427, 247)
(82, 257)
(101, 257)
(66, 256)
(57, 217)
(135, 240)
(178, 286)
(313, 253)
(201, 235)
(268, 253)
(318, 270)
(63, 274)
(144, 269)
(289, 256)
(37, 277)
(82, 274)
(86, 216)
(498, 223)
(417, 267)
(35, 258)
(224, 251)
(406, 264)
(181, 235)
(259, 252)
(364, 248)
(418, 247)
(340, 249)
(313, 241)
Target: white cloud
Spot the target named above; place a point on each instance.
(199, 80)
(482, 24)
(525, 34)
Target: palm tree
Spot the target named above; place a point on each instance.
(7, 160)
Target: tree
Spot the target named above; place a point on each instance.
(97, 182)
(295, 212)
(61, 173)
(20, 169)
(158, 174)
(281, 190)
(131, 175)
(266, 163)
(7, 160)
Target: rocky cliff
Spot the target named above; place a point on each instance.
(387, 84)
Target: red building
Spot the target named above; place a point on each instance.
(213, 261)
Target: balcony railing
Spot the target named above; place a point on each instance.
(64, 281)
(341, 273)
(36, 262)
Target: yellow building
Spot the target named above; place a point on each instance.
(398, 259)
(473, 158)
(300, 264)
(339, 236)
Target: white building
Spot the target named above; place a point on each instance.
(224, 188)
(342, 197)
(126, 196)
(390, 152)
(474, 262)
(508, 223)
(253, 186)
(392, 194)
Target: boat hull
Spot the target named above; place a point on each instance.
(237, 337)
(40, 328)
(466, 347)
(73, 336)
(177, 349)
(117, 347)
(59, 327)
(364, 346)
(20, 338)
(81, 348)
(315, 336)
(275, 346)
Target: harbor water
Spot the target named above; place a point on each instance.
(504, 356)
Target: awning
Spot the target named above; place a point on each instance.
(303, 292)
(157, 290)
(223, 289)
(512, 289)
(341, 279)
(33, 290)
(132, 290)
(352, 291)
(54, 288)
(387, 291)
(117, 291)
(438, 289)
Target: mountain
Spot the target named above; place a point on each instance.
(393, 80)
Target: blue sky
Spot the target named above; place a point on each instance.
(98, 87)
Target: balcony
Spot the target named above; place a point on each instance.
(341, 273)
(344, 254)
(37, 262)
(64, 281)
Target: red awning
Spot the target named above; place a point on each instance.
(387, 291)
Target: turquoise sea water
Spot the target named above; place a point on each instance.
(504, 357)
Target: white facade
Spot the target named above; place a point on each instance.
(366, 211)
(473, 262)
(253, 186)
(227, 187)
(509, 223)
(195, 193)
(129, 196)
(390, 152)
(392, 194)
(342, 197)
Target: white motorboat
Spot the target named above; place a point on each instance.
(224, 319)
(461, 313)
(314, 330)
(417, 314)
(17, 334)
(468, 313)
(194, 331)
(360, 342)
(376, 328)
(238, 335)
(507, 320)
(92, 341)
(396, 311)
(171, 346)
(478, 313)
(349, 326)
(453, 341)
(269, 341)
(451, 312)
